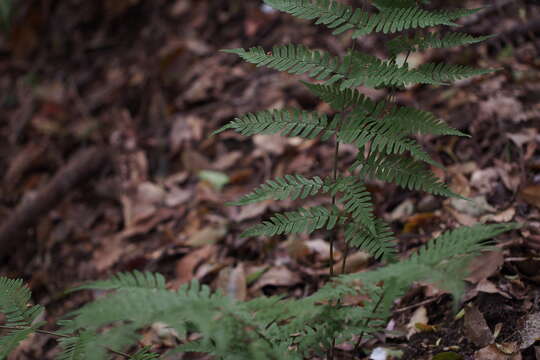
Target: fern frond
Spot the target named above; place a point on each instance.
(402, 119)
(390, 19)
(380, 243)
(288, 122)
(442, 261)
(360, 130)
(295, 59)
(446, 73)
(463, 241)
(420, 42)
(294, 187)
(356, 68)
(76, 347)
(127, 280)
(302, 220)
(403, 171)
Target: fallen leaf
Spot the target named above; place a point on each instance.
(418, 317)
(491, 352)
(250, 211)
(531, 194)
(476, 206)
(484, 266)
(448, 355)
(273, 144)
(297, 247)
(504, 216)
(475, 327)
(403, 210)
(531, 330)
(233, 282)
(355, 262)
(216, 178)
(177, 197)
(418, 220)
(185, 267)
(277, 276)
(207, 236)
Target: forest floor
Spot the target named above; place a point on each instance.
(108, 106)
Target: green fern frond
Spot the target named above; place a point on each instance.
(469, 241)
(403, 171)
(360, 130)
(295, 59)
(76, 347)
(381, 243)
(442, 261)
(420, 42)
(446, 73)
(288, 122)
(302, 220)
(295, 187)
(403, 119)
(342, 17)
(135, 279)
(340, 99)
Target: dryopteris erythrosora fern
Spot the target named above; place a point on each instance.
(276, 328)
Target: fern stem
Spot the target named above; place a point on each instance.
(44, 332)
(59, 335)
(366, 322)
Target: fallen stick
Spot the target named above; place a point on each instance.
(80, 168)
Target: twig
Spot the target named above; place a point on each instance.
(79, 168)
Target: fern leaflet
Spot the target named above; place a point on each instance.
(288, 122)
(390, 19)
(380, 243)
(403, 171)
(403, 43)
(302, 220)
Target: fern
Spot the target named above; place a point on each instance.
(390, 19)
(382, 131)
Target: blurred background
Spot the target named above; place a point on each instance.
(106, 163)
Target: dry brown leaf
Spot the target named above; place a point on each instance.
(355, 262)
(250, 211)
(207, 236)
(233, 282)
(531, 330)
(277, 276)
(186, 266)
(491, 352)
(418, 317)
(504, 216)
(531, 194)
(484, 266)
(296, 247)
(475, 327)
(273, 144)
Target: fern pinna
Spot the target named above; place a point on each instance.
(273, 327)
